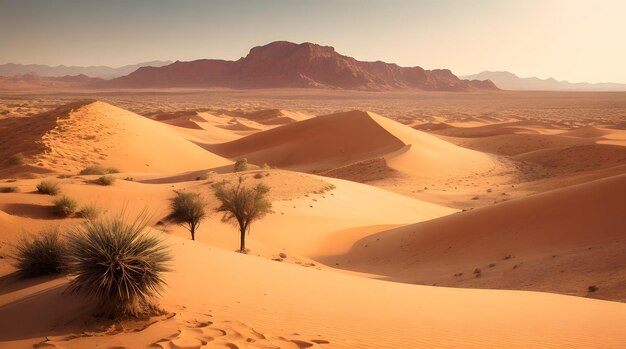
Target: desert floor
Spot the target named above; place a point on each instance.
(401, 220)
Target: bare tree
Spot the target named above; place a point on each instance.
(188, 209)
(242, 205)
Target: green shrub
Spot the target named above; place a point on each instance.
(119, 264)
(241, 165)
(105, 180)
(98, 170)
(17, 159)
(48, 187)
(65, 206)
(40, 254)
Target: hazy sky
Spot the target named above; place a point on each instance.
(568, 39)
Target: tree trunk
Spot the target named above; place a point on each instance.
(242, 246)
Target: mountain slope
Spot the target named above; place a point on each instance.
(509, 81)
(285, 64)
(11, 69)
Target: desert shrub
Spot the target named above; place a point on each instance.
(16, 159)
(119, 264)
(105, 180)
(9, 189)
(40, 254)
(242, 205)
(188, 209)
(241, 165)
(48, 187)
(592, 288)
(89, 212)
(266, 167)
(65, 206)
(258, 175)
(98, 170)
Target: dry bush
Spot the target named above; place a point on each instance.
(65, 206)
(48, 187)
(98, 170)
(105, 180)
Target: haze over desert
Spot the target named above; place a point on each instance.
(290, 185)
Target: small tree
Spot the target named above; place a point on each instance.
(242, 205)
(241, 165)
(188, 209)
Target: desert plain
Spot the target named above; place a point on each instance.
(400, 219)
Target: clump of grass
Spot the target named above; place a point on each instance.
(98, 170)
(17, 159)
(119, 264)
(89, 212)
(9, 189)
(40, 254)
(258, 175)
(241, 165)
(105, 180)
(48, 187)
(592, 288)
(65, 206)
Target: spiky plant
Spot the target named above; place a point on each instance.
(119, 264)
(39, 254)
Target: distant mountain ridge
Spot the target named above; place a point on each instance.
(509, 81)
(104, 72)
(283, 64)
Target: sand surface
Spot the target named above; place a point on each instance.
(476, 221)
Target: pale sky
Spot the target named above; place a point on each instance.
(571, 40)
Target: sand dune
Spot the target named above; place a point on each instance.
(560, 241)
(320, 143)
(89, 133)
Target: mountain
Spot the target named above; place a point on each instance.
(35, 81)
(285, 64)
(12, 69)
(509, 81)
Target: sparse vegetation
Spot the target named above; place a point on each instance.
(105, 180)
(258, 175)
(266, 167)
(65, 206)
(48, 187)
(242, 205)
(17, 159)
(592, 288)
(98, 170)
(119, 264)
(89, 212)
(40, 254)
(9, 189)
(241, 165)
(189, 210)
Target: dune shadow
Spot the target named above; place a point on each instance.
(30, 211)
(49, 312)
